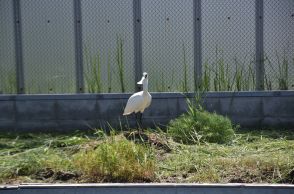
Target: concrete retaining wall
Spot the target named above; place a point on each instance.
(273, 109)
(150, 188)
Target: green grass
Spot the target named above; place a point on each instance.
(260, 156)
(199, 125)
(255, 156)
(117, 160)
(26, 154)
(95, 157)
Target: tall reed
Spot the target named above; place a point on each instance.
(120, 62)
(205, 84)
(251, 76)
(219, 72)
(243, 80)
(222, 78)
(93, 75)
(268, 82)
(185, 81)
(160, 85)
(171, 85)
(109, 72)
(239, 78)
(283, 68)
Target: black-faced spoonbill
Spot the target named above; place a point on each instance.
(139, 101)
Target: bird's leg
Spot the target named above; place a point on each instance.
(140, 121)
(136, 119)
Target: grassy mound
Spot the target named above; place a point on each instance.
(117, 160)
(198, 125)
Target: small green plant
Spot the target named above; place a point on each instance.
(243, 80)
(117, 160)
(283, 68)
(198, 125)
(281, 72)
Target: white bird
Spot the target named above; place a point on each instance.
(139, 101)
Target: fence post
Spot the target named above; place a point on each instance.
(137, 24)
(197, 44)
(259, 50)
(18, 47)
(78, 46)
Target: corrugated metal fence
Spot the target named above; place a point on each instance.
(69, 46)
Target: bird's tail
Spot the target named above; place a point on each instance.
(126, 113)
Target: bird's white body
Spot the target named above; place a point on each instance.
(139, 101)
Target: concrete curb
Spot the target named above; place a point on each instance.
(162, 188)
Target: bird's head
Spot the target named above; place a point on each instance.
(144, 78)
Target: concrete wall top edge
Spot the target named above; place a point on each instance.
(154, 95)
(280, 93)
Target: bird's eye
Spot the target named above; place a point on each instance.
(145, 76)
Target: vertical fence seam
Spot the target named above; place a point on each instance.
(137, 25)
(78, 47)
(197, 44)
(259, 44)
(18, 47)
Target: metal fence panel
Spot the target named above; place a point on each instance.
(279, 44)
(228, 39)
(167, 28)
(7, 57)
(57, 54)
(108, 45)
(48, 46)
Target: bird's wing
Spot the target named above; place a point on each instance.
(149, 101)
(133, 104)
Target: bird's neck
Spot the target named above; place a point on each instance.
(145, 87)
